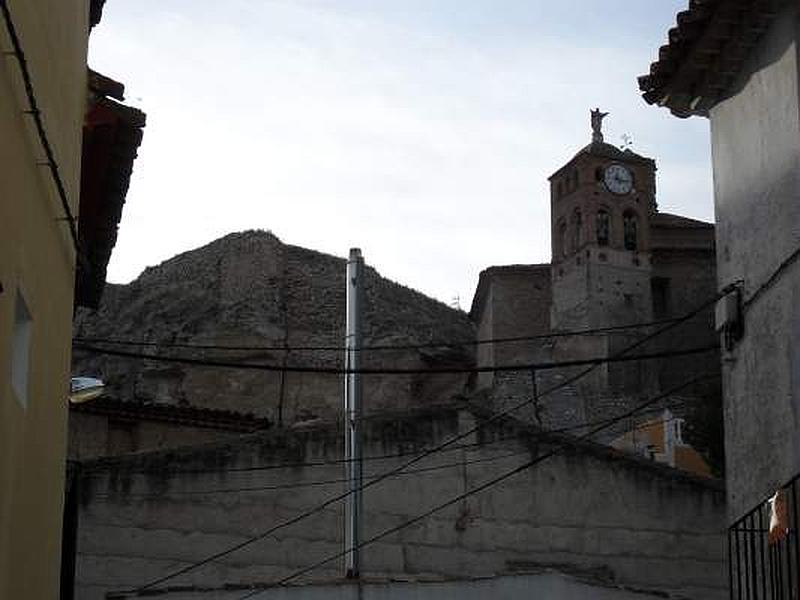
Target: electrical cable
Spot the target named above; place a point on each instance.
(314, 483)
(414, 460)
(91, 470)
(388, 371)
(36, 114)
(420, 456)
(373, 347)
(149, 591)
(753, 297)
(772, 279)
(97, 470)
(471, 492)
(287, 465)
(322, 482)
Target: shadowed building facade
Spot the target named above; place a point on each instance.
(738, 64)
(617, 263)
(58, 215)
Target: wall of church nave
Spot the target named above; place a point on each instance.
(682, 282)
(514, 303)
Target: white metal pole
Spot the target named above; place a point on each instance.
(352, 414)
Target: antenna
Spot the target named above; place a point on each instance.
(627, 141)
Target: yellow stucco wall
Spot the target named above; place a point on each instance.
(36, 258)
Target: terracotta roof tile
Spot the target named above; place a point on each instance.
(705, 51)
(606, 151)
(182, 415)
(95, 11)
(112, 134)
(670, 220)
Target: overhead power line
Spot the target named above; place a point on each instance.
(372, 347)
(773, 278)
(542, 366)
(149, 589)
(313, 483)
(97, 470)
(322, 482)
(93, 470)
(35, 112)
(475, 490)
(333, 499)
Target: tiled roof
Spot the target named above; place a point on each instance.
(95, 11)
(171, 413)
(676, 221)
(606, 151)
(112, 134)
(705, 52)
(612, 152)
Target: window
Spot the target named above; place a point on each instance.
(678, 432)
(577, 225)
(660, 291)
(629, 229)
(628, 300)
(603, 227)
(562, 238)
(21, 349)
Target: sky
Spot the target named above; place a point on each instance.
(421, 131)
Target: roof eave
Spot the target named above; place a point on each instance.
(112, 134)
(705, 53)
(682, 107)
(95, 12)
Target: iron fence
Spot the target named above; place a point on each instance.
(761, 568)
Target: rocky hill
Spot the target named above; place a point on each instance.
(249, 289)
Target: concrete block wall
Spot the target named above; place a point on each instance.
(587, 507)
(96, 435)
(543, 584)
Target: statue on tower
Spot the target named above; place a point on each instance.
(597, 124)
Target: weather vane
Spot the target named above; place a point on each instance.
(597, 124)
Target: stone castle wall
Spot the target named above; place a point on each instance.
(249, 289)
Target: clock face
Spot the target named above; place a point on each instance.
(618, 180)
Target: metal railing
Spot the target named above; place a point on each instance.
(760, 569)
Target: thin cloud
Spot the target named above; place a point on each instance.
(420, 139)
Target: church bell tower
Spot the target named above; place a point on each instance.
(601, 203)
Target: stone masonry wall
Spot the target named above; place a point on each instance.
(515, 303)
(586, 508)
(690, 279)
